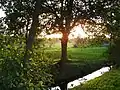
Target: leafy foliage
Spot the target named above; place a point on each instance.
(25, 19)
(114, 29)
(12, 72)
(114, 52)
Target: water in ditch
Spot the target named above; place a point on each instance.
(84, 79)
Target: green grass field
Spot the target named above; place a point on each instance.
(108, 81)
(89, 53)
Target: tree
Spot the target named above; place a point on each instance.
(32, 32)
(63, 15)
(22, 19)
(22, 22)
(114, 29)
(60, 15)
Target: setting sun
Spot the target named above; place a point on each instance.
(76, 32)
(54, 35)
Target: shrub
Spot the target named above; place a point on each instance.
(12, 72)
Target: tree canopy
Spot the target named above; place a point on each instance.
(28, 18)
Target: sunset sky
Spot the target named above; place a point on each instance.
(76, 32)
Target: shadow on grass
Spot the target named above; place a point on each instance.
(74, 69)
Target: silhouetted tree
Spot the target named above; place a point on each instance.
(63, 15)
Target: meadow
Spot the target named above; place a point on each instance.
(79, 53)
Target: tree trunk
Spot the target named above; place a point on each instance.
(32, 34)
(64, 41)
(63, 86)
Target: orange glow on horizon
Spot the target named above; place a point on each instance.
(76, 32)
